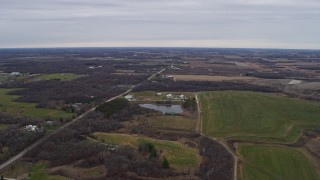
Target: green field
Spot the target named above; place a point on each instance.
(267, 162)
(256, 116)
(173, 122)
(178, 155)
(36, 171)
(27, 109)
(59, 76)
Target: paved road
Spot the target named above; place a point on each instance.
(234, 155)
(25, 151)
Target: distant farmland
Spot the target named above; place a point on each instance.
(256, 116)
(58, 76)
(8, 104)
(210, 78)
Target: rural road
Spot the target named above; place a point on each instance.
(199, 130)
(25, 151)
(199, 123)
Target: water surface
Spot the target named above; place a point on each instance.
(165, 109)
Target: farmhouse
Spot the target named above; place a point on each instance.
(128, 97)
(170, 77)
(32, 128)
(181, 96)
(293, 82)
(15, 74)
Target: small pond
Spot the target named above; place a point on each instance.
(165, 109)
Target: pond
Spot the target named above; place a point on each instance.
(165, 109)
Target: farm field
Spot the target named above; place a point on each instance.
(173, 122)
(177, 154)
(59, 76)
(210, 78)
(256, 116)
(27, 109)
(267, 162)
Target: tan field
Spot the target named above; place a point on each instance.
(210, 78)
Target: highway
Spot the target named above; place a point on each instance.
(25, 151)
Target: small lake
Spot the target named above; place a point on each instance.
(165, 109)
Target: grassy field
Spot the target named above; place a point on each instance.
(177, 154)
(266, 162)
(4, 126)
(173, 122)
(256, 116)
(27, 109)
(36, 171)
(60, 76)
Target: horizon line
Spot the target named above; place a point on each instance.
(155, 47)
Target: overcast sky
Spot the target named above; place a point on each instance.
(160, 23)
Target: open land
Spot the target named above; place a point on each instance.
(257, 118)
(265, 117)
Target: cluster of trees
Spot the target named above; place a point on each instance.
(109, 108)
(217, 161)
(195, 86)
(68, 147)
(96, 122)
(56, 66)
(65, 147)
(281, 74)
(312, 133)
(121, 110)
(311, 140)
(228, 69)
(15, 138)
(190, 104)
(138, 68)
(148, 149)
(53, 94)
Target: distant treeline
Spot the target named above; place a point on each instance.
(195, 86)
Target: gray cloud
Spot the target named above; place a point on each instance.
(201, 23)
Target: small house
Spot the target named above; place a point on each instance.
(15, 74)
(128, 97)
(159, 94)
(32, 128)
(181, 96)
(169, 96)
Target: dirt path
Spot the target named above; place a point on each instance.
(199, 123)
(224, 144)
(234, 155)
